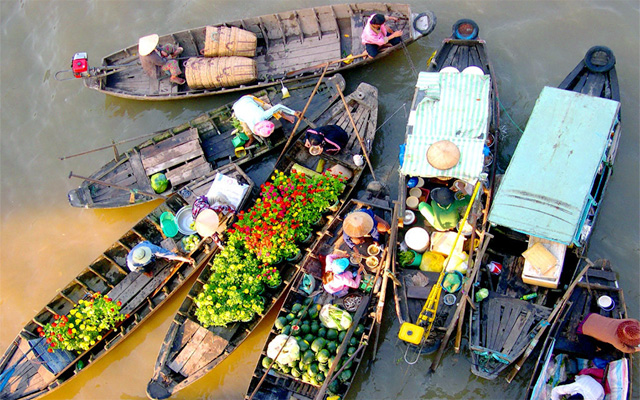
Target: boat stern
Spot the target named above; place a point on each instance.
(77, 198)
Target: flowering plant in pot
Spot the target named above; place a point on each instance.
(271, 276)
(84, 325)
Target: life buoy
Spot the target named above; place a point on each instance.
(425, 23)
(465, 29)
(610, 59)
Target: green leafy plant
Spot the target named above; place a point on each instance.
(406, 258)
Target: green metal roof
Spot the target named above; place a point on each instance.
(546, 189)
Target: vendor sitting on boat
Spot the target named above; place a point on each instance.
(160, 61)
(623, 334)
(255, 119)
(141, 255)
(444, 211)
(337, 279)
(377, 36)
(329, 138)
(361, 223)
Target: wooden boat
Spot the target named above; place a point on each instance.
(344, 352)
(463, 51)
(30, 371)
(189, 350)
(289, 44)
(188, 151)
(570, 143)
(563, 347)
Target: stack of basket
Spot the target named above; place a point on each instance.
(227, 61)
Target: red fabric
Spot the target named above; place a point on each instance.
(597, 374)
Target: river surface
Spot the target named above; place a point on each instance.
(45, 242)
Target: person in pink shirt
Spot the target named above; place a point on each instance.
(376, 35)
(336, 279)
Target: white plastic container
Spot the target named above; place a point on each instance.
(417, 239)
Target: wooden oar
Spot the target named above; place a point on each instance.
(326, 64)
(154, 195)
(549, 321)
(355, 129)
(112, 145)
(304, 110)
(362, 307)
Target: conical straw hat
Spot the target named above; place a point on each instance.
(357, 224)
(146, 44)
(207, 222)
(443, 154)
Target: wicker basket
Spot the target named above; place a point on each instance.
(212, 73)
(222, 41)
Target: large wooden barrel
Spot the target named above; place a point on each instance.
(222, 41)
(212, 73)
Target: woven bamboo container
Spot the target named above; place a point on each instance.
(213, 73)
(222, 41)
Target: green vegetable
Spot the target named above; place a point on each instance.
(406, 258)
(318, 344)
(345, 376)
(359, 330)
(322, 332)
(266, 361)
(332, 334)
(332, 347)
(280, 323)
(351, 350)
(323, 356)
(309, 338)
(159, 182)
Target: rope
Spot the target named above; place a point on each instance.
(509, 116)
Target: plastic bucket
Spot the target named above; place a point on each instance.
(412, 202)
(237, 141)
(455, 276)
(417, 239)
(417, 259)
(168, 224)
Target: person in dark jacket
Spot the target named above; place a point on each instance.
(329, 138)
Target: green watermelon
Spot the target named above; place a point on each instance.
(351, 350)
(159, 182)
(313, 369)
(341, 336)
(353, 341)
(319, 377)
(322, 332)
(308, 357)
(345, 376)
(291, 317)
(286, 330)
(296, 307)
(280, 323)
(285, 368)
(323, 356)
(332, 334)
(332, 347)
(295, 372)
(315, 326)
(359, 330)
(304, 345)
(309, 337)
(318, 344)
(334, 386)
(324, 367)
(305, 328)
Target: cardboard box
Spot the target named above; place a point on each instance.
(547, 275)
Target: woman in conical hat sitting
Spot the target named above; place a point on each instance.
(158, 61)
(361, 223)
(141, 255)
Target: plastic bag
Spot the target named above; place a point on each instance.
(333, 317)
(432, 262)
(289, 354)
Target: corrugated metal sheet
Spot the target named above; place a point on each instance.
(450, 106)
(548, 182)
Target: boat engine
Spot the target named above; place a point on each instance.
(80, 65)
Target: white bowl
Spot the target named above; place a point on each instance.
(447, 70)
(184, 219)
(473, 70)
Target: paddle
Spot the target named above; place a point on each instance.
(355, 129)
(154, 195)
(549, 321)
(304, 110)
(6, 375)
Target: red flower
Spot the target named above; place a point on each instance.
(70, 331)
(56, 316)
(53, 344)
(119, 303)
(126, 315)
(54, 324)
(50, 350)
(48, 340)
(65, 319)
(42, 334)
(39, 329)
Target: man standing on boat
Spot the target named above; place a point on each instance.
(377, 36)
(159, 61)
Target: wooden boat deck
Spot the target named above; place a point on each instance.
(289, 44)
(177, 365)
(194, 148)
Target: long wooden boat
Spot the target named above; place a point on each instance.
(543, 214)
(328, 359)
(289, 44)
(464, 51)
(564, 347)
(190, 350)
(30, 371)
(192, 149)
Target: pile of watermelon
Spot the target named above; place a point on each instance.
(318, 346)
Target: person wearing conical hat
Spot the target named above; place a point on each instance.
(445, 210)
(623, 334)
(361, 223)
(160, 61)
(141, 256)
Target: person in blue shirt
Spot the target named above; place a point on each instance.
(361, 223)
(141, 255)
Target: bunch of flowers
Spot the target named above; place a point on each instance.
(84, 325)
(266, 233)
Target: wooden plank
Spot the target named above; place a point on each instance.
(189, 171)
(171, 157)
(514, 333)
(463, 58)
(145, 289)
(212, 347)
(142, 181)
(186, 331)
(183, 356)
(168, 143)
(418, 292)
(509, 324)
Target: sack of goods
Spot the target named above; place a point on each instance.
(212, 73)
(222, 41)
